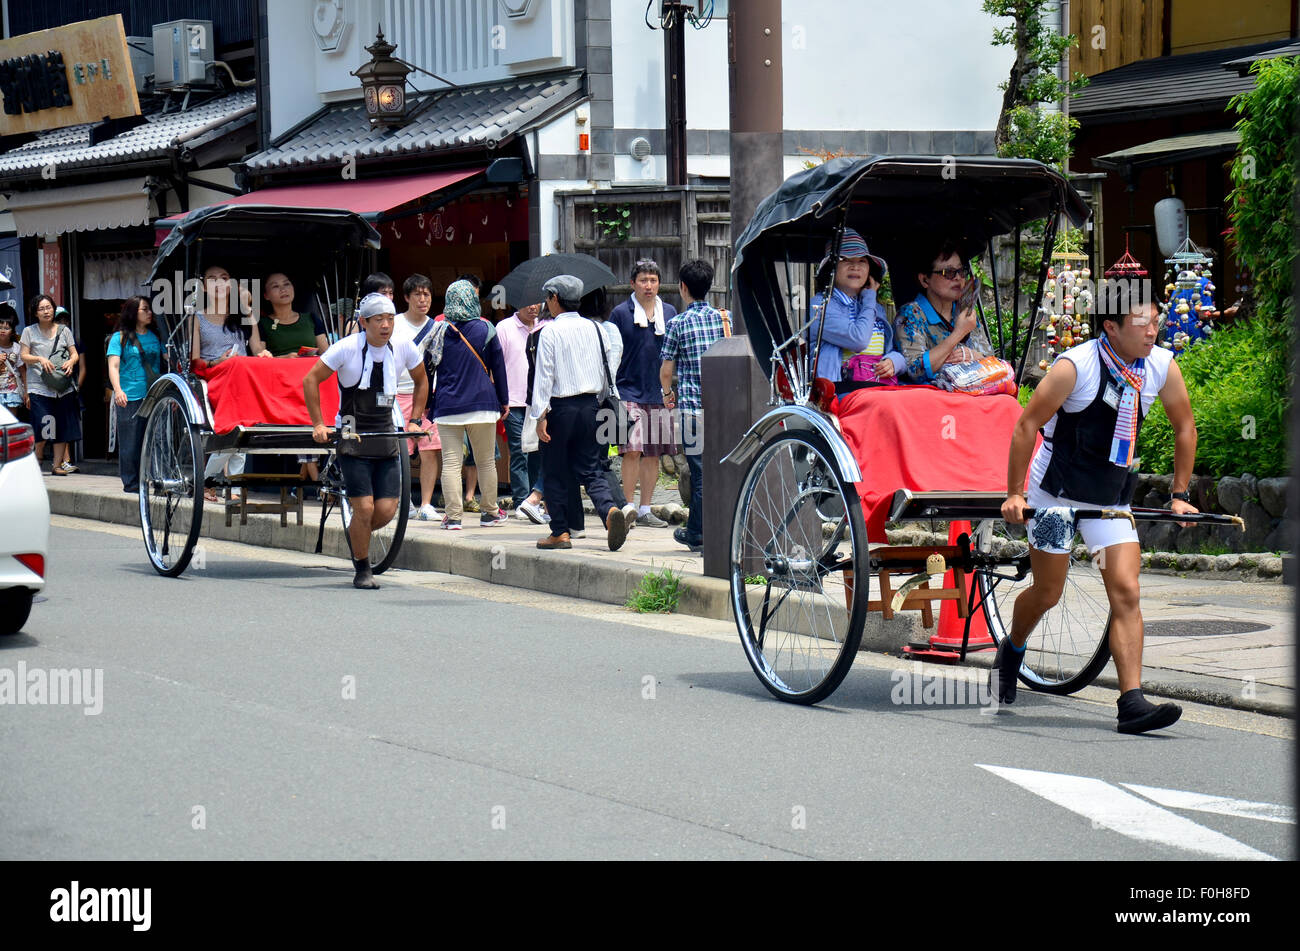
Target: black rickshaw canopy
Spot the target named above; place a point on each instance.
(237, 233)
(902, 205)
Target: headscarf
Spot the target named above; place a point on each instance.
(462, 302)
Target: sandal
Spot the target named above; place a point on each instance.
(57, 472)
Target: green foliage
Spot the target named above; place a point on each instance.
(1238, 381)
(756, 579)
(1264, 179)
(1034, 134)
(614, 221)
(657, 592)
(1024, 129)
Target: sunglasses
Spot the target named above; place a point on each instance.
(952, 273)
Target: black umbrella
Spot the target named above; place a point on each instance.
(523, 285)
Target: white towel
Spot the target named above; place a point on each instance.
(390, 371)
(642, 319)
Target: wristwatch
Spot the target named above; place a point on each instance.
(1181, 496)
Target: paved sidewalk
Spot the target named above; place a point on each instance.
(1209, 638)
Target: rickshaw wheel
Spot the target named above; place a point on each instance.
(171, 486)
(1071, 644)
(385, 543)
(801, 627)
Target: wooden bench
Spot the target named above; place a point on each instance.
(246, 481)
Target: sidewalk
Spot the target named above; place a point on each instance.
(1213, 640)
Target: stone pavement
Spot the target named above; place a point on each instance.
(1210, 638)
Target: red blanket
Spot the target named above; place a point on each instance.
(925, 439)
(247, 391)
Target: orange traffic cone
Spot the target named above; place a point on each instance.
(951, 626)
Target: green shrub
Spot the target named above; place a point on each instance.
(1238, 382)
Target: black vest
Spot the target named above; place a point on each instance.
(1080, 467)
(368, 411)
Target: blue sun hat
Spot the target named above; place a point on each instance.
(854, 246)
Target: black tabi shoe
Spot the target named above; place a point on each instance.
(1137, 714)
(364, 578)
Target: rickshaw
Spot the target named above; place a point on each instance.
(327, 252)
(801, 561)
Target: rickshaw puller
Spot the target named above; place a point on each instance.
(370, 467)
(1095, 397)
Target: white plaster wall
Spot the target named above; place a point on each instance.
(848, 65)
(199, 197)
(560, 135)
(548, 215)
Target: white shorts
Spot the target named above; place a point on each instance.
(1054, 532)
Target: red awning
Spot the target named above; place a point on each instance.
(369, 198)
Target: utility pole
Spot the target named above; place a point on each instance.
(734, 387)
(673, 21)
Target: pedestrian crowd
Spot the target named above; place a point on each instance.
(562, 379)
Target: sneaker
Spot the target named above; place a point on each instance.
(451, 524)
(471, 505)
(68, 467)
(650, 520)
(580, 533)
(427, 513)
(532, 511)
(679, 535)
(487, 518)
(629, 515)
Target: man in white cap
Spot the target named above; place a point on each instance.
(368, 365)
(573, 367)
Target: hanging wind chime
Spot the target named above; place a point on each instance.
(1188, 308)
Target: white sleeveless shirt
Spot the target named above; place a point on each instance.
(1088, 379)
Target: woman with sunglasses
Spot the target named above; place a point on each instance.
(931, 332)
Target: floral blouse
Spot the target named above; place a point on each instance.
(920, 329)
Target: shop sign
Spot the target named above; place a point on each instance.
(69, 75)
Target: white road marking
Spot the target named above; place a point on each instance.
(1112, 808)
(1200, 802)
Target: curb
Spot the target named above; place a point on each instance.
(602, 581)
(451, 553)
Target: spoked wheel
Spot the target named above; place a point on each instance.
(385, 543)
(1071, 644)
(802, 624)
(171, 486)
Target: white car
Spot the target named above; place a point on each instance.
(24, 523)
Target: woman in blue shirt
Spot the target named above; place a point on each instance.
(134, 362)
(854, 318)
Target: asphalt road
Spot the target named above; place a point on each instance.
(259, 707)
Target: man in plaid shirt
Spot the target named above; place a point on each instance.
(690, 334)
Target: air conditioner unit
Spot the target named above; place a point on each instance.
(182, 52)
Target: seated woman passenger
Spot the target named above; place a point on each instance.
(855, 320)
(284, 329)
(930, 331)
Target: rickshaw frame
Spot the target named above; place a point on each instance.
(336, 248)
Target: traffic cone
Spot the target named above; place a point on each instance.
(951, 626)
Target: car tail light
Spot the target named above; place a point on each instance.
(16, 441)
(33, 562)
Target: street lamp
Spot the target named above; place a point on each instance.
(383, 81)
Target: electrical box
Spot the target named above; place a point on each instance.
(141, 50)
(182, 53)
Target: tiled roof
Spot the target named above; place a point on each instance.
(1165, 83)
(1242, 65)
(70, 147)
(475, 117)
